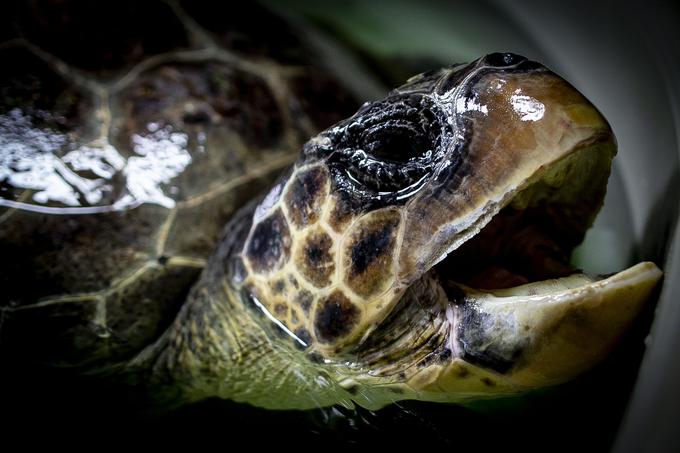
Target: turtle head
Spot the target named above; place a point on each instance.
(448, 150)
(421, 247)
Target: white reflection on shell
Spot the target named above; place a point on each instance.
(82, 178)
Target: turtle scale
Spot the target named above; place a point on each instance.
(338, 278)
(98, 288)
(315, 257)
(369, 252)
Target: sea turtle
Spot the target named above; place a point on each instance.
(416, 250)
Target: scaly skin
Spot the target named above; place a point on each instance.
(326, 291)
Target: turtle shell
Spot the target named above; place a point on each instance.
(127, 140)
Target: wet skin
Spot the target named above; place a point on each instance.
(349, 268)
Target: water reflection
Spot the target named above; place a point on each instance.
(89, 178)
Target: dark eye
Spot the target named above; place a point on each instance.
(386, 176)
(395, 154)
(393, 144)
(502, 59)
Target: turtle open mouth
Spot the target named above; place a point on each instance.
(531, 238)
(515, 248)
(505, 305)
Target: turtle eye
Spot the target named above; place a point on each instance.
(391, 145)
(386, 176)
(391, 158)
(397, 148)
(397, 144)
(503, 59)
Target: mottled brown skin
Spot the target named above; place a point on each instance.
(378, 248)
(326, 288)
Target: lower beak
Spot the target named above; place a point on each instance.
(539, 334)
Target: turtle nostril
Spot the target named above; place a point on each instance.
(501, 59)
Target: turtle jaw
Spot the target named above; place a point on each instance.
(491, 336)
(534, 335)
(469, 344)
(518, 318)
